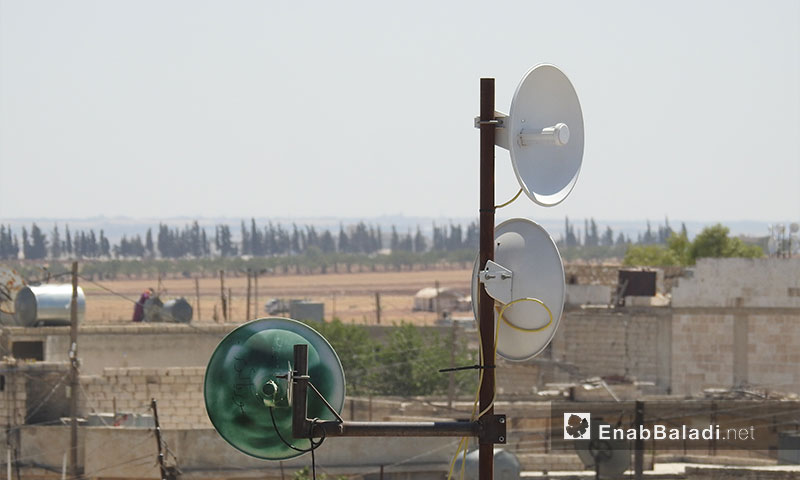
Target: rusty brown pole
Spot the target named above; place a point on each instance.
(485, 303)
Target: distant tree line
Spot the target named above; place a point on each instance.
(591, 236)
(269, 240)
(654, 246)
(712, 242)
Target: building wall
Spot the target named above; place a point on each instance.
(773, 357)
(740, 282)
(634, 344)
(703, 352)
(143, 345)
(13, 398)
(736, 347)
(177, 390)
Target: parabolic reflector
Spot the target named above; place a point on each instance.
(242, 383)
(609, 458)
(525, 248)
(544, 132)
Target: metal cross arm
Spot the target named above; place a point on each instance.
(489, 429)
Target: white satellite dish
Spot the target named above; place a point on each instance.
(544, 134)
(527, 271)
(608, 458)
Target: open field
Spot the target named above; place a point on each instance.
(348, 296)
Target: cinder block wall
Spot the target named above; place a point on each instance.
(627, 344)
(740, 282)
(13, 397)
(178, 391)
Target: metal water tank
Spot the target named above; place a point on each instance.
(177, 310)
(47, 305)
(506, 465)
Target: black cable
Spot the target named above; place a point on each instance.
(314, 444)
(108, 289)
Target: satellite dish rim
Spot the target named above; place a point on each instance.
(518, 156)
(556, 310)
(316, 340)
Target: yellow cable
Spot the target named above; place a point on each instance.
(526, 330)
(510, 201)
(497, 336)
(453, 462)
(464, 443)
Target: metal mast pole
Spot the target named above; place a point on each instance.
(486, 303)
(74, 384)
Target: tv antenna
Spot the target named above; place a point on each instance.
(258, 379)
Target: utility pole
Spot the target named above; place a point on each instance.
(248, 294)
(378, 307)
(255, 300)
(74, 376)
(222, 295)
(197, 295)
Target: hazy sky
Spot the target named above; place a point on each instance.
(361, 109)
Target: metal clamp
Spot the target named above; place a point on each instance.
(493, 429)
(498, 121)
(498, 281)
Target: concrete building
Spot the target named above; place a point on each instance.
(732, 323)
(449, 300)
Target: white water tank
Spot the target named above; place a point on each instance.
(47, 304)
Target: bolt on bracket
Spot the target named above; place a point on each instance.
(498, 281)
(493, 429)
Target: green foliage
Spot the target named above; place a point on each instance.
(679, 245)
(711, 242)
(654, 255)
(410, 362)
(305, 474)
(714, 242)
(355, 348)
(406, 364)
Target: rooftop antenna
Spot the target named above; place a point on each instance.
(252, 399)
(528, 256)
(543, 132)
(544, 135)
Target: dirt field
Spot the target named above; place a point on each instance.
(350, 297)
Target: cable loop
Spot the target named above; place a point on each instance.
(510, 201)
(501, 311)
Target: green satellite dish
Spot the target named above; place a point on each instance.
(242, 385)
